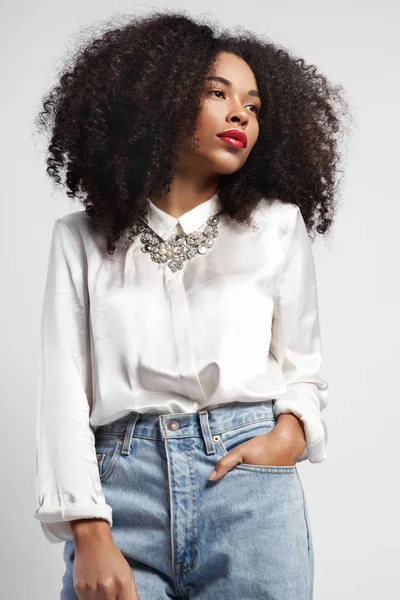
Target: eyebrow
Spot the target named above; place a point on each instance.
(229, 84)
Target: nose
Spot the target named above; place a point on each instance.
(238, 115)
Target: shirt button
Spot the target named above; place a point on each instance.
(173, 425)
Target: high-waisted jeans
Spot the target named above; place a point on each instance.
(244, 537)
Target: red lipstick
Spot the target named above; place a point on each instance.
(234, 137)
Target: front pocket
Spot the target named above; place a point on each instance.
(229, 440)
(100, 463)
(108, 451)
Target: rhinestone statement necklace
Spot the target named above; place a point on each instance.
(180, 246)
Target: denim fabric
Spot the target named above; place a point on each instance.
(244, 537)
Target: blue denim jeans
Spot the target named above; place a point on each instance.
(244, 537)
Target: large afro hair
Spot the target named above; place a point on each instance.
(116, 108)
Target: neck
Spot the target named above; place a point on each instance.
(185, 194)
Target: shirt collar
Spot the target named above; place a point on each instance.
(164, 224)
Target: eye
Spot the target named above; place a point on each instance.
(254, 106)
(216, 92)
(257, 110)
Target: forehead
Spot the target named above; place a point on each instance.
(233, 68)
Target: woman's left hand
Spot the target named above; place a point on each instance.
(280, 447)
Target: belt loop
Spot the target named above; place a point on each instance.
(126, 446)
(161, 425)
(206, 431)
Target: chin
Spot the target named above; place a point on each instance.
(227, 167)
(227, 171)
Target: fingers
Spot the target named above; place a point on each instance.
(128, 590)
(225, 464)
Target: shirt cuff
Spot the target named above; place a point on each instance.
(315, 428)
(55, 520)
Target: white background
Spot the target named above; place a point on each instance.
(353, 496)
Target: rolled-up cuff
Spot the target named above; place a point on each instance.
(315, 428)
(55, 524)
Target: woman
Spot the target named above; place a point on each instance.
(180, 328)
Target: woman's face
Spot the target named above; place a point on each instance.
(230, 101)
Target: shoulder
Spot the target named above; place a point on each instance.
(76, 227)
(77, 222)
(277, 212)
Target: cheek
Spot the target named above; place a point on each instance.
(207, 121)
(254, 136)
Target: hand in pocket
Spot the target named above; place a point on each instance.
(270, 448)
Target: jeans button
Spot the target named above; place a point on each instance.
(173, 425)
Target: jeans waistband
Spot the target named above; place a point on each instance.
(203, 423)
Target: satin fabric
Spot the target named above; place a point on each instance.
(239, 323)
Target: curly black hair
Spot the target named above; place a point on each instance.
(115, 114)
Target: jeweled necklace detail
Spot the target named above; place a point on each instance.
(180, 246)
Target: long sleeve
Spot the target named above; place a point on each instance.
(68, 484)
(296, 341)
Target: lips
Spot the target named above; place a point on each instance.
(235, 135)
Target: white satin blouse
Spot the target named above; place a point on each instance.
(239, 323)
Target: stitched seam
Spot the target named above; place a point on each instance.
(113, 461)
(248, 466)
(307, 529)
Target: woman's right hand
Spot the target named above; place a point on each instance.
(100, 570)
